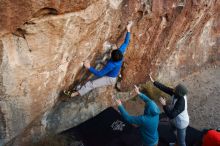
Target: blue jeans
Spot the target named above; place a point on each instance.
(181, 135)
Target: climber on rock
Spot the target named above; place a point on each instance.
(177, 110)
(107, 75)
(148, 122)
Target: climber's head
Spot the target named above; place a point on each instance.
(116, 55)
(180, 90)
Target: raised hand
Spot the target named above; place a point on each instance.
(152, 80)
(162, 101)
(114, 47)
(130, 23)
(136, 89)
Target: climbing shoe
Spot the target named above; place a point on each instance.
(67, 93)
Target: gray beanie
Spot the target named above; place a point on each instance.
(181, 90)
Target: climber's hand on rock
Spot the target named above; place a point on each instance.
(130, 23)
(152, 80)
(162, 101)
(86, 64)
(114, 47)
(136, 89)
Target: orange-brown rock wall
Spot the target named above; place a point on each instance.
(173, 41)
(15, 13)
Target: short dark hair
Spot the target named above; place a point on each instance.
(116, 55)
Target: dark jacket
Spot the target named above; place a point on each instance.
(177, 111)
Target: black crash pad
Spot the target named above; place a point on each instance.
(106, 129)
(109, 129)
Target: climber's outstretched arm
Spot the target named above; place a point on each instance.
(123, 47)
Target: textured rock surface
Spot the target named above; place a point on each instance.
(15, 13)
(173, 41)
(45, 56)
(42, 46)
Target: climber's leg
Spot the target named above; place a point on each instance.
(100, 82)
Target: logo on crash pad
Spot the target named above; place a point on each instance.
(117, 125)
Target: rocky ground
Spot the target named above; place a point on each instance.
(203, 99)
